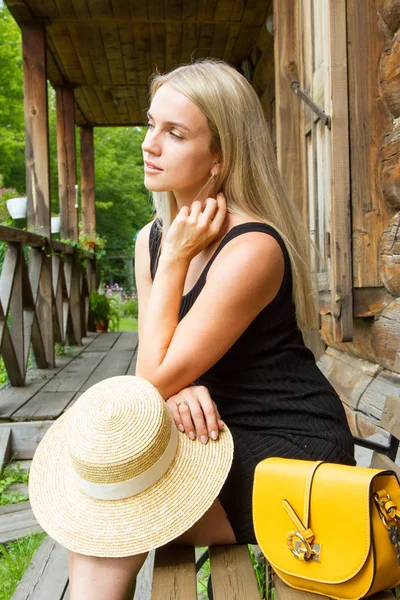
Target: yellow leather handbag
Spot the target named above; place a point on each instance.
(329, 529)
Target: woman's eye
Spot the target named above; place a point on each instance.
(149, 125)
(178, 137)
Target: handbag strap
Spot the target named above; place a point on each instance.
(299, 541)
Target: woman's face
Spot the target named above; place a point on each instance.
(176, 147)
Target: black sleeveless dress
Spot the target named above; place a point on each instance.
(269, 391)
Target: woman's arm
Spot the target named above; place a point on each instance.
(241, 282)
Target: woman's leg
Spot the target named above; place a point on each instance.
(94, 578)
(212, 529)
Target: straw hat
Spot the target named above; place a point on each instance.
(113, 476)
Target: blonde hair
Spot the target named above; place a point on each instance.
(249, 175)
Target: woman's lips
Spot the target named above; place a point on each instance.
(150, 168)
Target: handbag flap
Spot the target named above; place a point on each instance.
(333, 500)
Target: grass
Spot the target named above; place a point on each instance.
(11, 475)
(15, 556)
(14, 560)
(128, 324)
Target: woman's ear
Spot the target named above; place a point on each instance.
(216, 169)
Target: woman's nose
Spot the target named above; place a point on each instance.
(150, 144)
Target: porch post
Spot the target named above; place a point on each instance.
(66, 162)
(88, 191)
(38, 167)
(68, 212)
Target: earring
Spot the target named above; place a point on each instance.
(213, 174)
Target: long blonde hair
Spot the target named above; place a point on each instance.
(249, 175)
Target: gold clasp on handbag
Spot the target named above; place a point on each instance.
(302, 548)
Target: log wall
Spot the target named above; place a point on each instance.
(366, 370)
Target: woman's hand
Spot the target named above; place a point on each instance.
(195, 227)
(195, 413)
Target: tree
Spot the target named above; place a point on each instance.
(12, 137)
(122, 202)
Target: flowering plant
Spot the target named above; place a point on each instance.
(126, 301)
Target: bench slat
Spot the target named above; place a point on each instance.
(232, 573)
(174, 576)
(284, 592)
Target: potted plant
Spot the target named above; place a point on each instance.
(17, 205)
(55, 224)
(103, 311)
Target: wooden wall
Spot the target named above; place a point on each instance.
(366, 369)
(373, 356)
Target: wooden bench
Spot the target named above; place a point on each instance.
(232, 574)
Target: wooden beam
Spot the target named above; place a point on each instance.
(88, 183)
(341, 287)
(66, 162)
(288, 105)
(38, 165)
(36, 128)
(370, 122)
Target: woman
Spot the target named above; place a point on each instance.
(223, 286)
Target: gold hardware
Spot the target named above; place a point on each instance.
(315, 549)
(303, 550)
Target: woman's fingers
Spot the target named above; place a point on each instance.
(185, 412)
(175, 413)
(209, 411)
(195, 413)
(210, 209)
(220, 214)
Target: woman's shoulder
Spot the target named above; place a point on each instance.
(255, 230)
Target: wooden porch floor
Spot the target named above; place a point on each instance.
(49, 392)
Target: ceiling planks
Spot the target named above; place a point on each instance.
(108, 49)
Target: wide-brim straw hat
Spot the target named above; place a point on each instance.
(113, 476)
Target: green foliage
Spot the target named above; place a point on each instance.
(12, 474)
(7, 194)
(12, 136)
(14, 559)
(103, 307)
(122, 202)
(130, 309)
(100, 305)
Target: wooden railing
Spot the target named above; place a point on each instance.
(26, 300)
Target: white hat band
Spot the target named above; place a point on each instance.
(131, 487)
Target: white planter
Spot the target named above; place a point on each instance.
(17, 207)
(55, 224)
